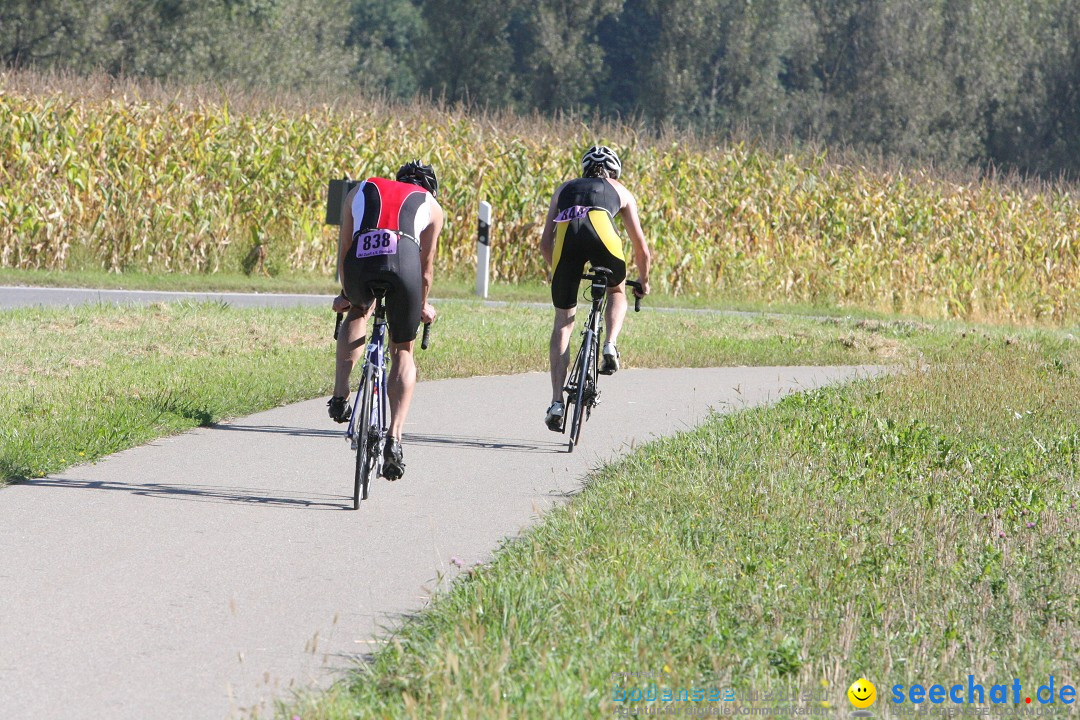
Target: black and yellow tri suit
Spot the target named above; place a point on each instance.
(585, 232)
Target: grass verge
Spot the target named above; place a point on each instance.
(912, 529)
(455, 285)
(82, 383)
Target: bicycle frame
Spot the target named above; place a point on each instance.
(372, 406)
(371, 403)
(581, 382)
(594, 330)
(374, 364)
(580, 387)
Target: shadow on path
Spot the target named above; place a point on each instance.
(282, 430)
(461, 441)
(485, 443)
(202, 493)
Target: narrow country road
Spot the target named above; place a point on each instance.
(207, 574)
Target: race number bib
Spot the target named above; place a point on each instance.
(376, 242)
(572, 213)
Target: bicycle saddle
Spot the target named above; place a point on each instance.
(379, 289)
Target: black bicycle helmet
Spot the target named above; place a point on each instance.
(417, 173)
(603, 156)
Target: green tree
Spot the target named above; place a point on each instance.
(46, 32)
(720, 63)
(298, 44)
(627, 41)
(1037, 128)
(469, 54)
(281, 42)
(388, 37)
(562, 60)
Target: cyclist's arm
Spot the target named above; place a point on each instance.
(632, 223)
(547, 237)
(345, 235)
(429, 239)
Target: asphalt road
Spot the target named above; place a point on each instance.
(204, 575)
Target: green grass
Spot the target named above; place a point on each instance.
(915, 528)
(453, 286)
(82, 383)
(457, 286)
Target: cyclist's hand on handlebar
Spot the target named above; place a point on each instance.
(341, 303)
(644, 289)
(427, 314)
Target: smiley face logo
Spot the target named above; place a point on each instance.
(862, 693)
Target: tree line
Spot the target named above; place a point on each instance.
(956, 82)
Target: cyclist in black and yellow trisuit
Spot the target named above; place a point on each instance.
(580, 229)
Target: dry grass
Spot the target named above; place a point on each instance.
(122, 176)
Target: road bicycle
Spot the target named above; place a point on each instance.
(369, 425)
(580, 388)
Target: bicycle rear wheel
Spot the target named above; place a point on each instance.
(583, 367)
(364, 458)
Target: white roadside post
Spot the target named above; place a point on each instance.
(483, 249)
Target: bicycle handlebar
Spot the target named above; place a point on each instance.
(423, 343)
(599, 274)
(637, 300)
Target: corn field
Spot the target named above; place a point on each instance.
(197, 187)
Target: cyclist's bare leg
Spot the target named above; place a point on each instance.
(559, 352)
(350, 347)
(615, 312)
(402, 381)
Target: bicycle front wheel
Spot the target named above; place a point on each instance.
(584, 367)
(364, 456)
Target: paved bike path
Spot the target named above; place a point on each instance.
(18, 296)
(204, 575)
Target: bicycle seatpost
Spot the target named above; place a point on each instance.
(599, 280)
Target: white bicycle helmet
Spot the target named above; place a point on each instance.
(604, 156)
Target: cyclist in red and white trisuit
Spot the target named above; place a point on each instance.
(389, 230)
